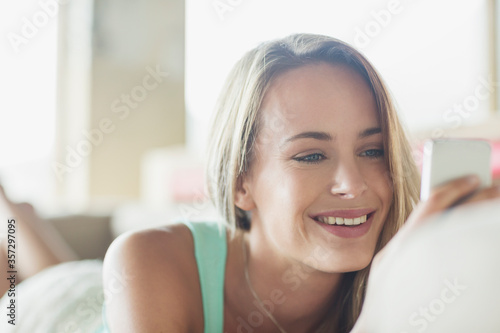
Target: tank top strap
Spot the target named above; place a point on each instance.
(210, 249)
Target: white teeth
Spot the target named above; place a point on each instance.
(342, 220)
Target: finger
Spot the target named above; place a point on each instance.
(442, 197)
(445, 195)
(484, 194)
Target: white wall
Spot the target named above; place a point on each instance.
(28, 56)
(433, 54)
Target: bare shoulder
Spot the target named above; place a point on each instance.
(151, 282)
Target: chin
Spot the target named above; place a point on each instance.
(355, 264)
(358, 268)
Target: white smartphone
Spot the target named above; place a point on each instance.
(448, 159)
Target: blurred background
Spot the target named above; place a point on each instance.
(106, 103)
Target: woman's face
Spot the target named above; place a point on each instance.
(318, 169)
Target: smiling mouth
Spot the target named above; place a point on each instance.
(343, 221)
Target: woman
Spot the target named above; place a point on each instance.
(313, 175)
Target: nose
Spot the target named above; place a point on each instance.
(348, 181)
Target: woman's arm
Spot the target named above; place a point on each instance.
(149, 283)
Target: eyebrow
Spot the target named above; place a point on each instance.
(323, 136)
(369, 132)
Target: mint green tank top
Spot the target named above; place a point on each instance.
(210, 250)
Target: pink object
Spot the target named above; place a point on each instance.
(495, 159)
(187, 185)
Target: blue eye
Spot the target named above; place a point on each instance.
(312, 158)
(373, 153)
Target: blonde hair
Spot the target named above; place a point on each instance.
(235, 127)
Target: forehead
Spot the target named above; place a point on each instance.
(332, 97)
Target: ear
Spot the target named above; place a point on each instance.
(243, 197)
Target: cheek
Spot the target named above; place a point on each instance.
(379, 180)
(282, 193)
(381, 186)
(291, 191)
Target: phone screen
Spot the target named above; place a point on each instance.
(448, 159)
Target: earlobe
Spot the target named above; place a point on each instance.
(243, 198)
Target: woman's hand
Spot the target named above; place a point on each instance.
(456, 192)
(462, 191)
